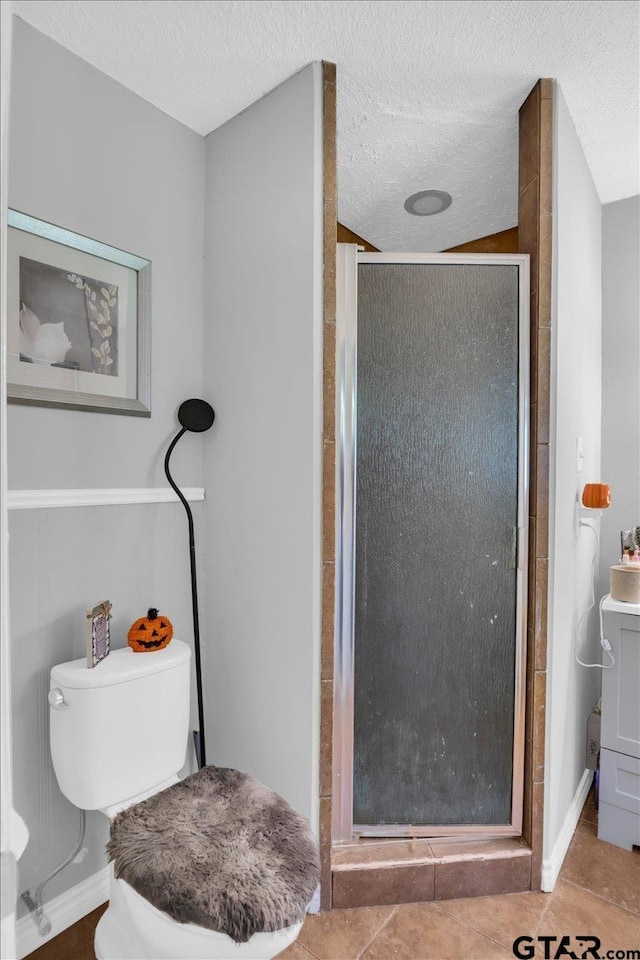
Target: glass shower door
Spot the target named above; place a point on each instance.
(437, 579)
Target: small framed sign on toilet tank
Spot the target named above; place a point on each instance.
(98, 633)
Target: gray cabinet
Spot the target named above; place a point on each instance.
(619, 809)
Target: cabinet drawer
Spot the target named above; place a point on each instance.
(620, 729)
(620, 780)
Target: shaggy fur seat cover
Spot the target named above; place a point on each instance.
(219, 850)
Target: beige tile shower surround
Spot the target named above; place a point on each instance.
(368, 873)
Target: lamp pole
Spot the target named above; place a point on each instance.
(195, 416)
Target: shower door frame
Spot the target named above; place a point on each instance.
(343, 828)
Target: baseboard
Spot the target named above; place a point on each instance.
(551, 867)
(63, 911)
(73, 905)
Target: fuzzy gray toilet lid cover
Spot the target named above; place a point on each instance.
(220, 850)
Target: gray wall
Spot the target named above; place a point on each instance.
(263, 353)
(620, 375)
(261, 298)
(572, 690)
(87, 154)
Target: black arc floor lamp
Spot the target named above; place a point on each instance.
(195, 416)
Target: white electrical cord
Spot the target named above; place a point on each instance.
(606, 646)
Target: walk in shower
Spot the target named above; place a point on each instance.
(432, 400)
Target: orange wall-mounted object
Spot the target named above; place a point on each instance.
(596, 496)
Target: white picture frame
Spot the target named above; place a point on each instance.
(79, 321)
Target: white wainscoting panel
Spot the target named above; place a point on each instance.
(63, 561)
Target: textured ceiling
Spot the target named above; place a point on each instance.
(428, 90)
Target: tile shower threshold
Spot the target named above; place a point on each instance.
(367, 873)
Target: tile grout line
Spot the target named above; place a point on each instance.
(469, 926)
(582, 819)
(526, 187)
(379, 930)
(543, 914)
(614, 903)
(306, 949)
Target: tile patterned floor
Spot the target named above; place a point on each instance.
(598, 894)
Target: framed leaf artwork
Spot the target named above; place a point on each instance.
(79, 319)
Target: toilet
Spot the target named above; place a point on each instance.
(118, 736)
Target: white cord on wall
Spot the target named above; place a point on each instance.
(606, 646)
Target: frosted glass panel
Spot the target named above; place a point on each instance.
(436, 514)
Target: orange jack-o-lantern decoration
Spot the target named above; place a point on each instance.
(150, 633)
(596, 496)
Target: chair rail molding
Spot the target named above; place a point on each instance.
(90, 497)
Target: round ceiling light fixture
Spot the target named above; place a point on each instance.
(426, 203)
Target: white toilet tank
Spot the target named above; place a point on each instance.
(121, 728)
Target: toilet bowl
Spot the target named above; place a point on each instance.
(118, 735)
(133, 929)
